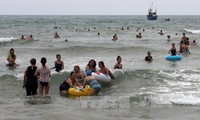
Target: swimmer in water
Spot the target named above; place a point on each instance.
(118, 65)
(114, 37)
(56, 35)
(91, 66)
(65, 85)
(149, 58)
(105, 70)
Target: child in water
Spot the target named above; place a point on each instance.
(11, 58)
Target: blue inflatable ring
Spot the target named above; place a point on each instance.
(173, 58)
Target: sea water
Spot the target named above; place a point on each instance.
(159, 90)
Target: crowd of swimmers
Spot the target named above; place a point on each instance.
(184, 49)
(39, 77)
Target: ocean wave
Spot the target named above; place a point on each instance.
(193, 31)
(4, 40)
(145, 87)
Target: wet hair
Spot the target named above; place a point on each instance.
(118, 57)
(102, 63)
(72, 73)
(33, 61)
(77, 67)
(183, 33)
(148, 52)
(13, 54)
(94, 63)
(43, 61)
(58, 55)
(12, 49)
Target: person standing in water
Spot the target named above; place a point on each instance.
(44, 75)
(30, 80)
(58, 64)
(173, 51)
(56, 35)
(149, 58)
(118, 65)
(168, 38)
(91, 65)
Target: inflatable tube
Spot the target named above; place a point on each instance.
(173, 58)
(101, 77)
(79, 92)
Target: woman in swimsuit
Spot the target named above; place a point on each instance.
(64, 87)
(118, 65)
(79, 74)
(172, 51)
(44, 75)
(59, 64)
(91, 65)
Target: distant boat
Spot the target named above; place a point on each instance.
(152, 14)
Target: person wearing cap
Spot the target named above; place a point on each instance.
(30, 80)
(92, 82)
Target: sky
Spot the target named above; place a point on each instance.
(98, 7)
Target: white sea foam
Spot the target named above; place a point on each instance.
(178, 98)
(193, 31)
(6, 39)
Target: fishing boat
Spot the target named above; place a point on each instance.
(151, 13)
